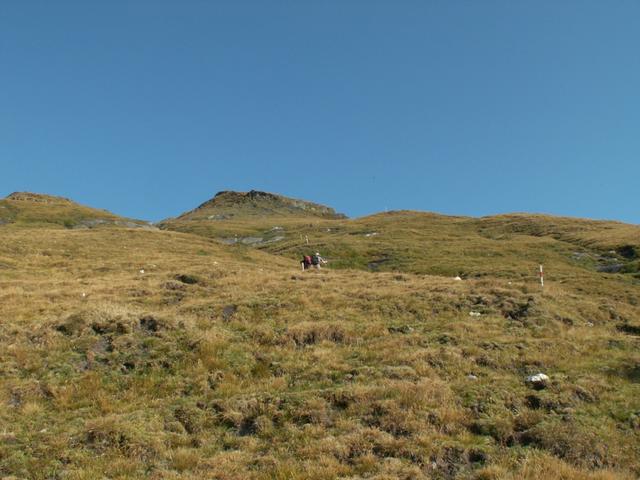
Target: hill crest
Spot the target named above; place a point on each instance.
(232, 204)
(38, 209)
(37, 198)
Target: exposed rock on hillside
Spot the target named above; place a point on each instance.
(227, 205)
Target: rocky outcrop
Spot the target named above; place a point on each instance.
(230, 204)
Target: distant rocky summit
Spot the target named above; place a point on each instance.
(229, 204)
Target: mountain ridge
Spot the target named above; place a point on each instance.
(403, 240)
(228, 196)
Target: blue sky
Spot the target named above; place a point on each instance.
(149, 107)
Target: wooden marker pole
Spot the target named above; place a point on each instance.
(541, 277)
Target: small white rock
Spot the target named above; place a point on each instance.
(472, 377)
(474, 314)
(457, 279)
(538, 378)
(141, 270)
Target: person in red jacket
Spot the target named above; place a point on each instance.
(306, 262)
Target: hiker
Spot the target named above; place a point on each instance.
(306, 262)
(316, 260)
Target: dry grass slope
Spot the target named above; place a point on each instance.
(425, 243)
(153, 354)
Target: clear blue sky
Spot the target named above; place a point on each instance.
(149, 107)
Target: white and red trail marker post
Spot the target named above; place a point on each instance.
(541, 277)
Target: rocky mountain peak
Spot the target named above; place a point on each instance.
(228, 203)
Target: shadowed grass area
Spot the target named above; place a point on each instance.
(155, 354)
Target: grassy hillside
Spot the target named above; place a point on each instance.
(34, 209)
(623, 238)
(155, 354)
(418, 242)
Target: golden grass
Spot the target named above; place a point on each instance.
(230, 363)
(505, 246)
(36, 210)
